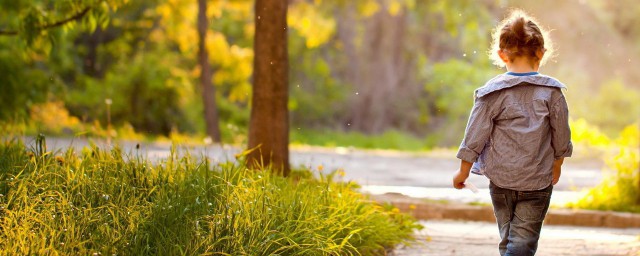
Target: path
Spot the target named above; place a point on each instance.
(420, 175)
(368, 168)
(444, 238)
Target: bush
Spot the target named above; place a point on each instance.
(108, 202)
(619, 191)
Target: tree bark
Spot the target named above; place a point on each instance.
(269, 122)
(380, 84)
(208, 91)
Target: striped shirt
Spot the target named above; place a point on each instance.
(518, 126)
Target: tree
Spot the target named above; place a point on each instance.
(30, 19)
(28, 31)
(269, 122)
(208, 91)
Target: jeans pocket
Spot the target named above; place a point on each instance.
(501, 208)
(532, 206)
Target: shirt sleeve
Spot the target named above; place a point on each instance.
(477, 133)
(560, 131)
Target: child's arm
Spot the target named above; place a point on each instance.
(557, 169)
(461, 176)
(560, 136)
(560, 131)
(475, 137)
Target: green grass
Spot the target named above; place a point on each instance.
(389, 140)
(107, 202)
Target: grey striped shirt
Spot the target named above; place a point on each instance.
(518, 126)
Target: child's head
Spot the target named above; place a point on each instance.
(519, 36)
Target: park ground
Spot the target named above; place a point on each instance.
(449, 237)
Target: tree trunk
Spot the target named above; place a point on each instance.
(269, 123)
(208, 91)
(380, 77)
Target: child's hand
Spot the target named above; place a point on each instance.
(556, 177)
(556, 174)
(557, 169)
(459, 178)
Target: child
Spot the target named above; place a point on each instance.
(518, 134)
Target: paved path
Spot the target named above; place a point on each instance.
(420, 175)
(481, 238)
(368, 168)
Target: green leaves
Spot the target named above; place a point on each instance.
(31, 19)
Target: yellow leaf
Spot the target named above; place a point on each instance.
(369, 8)
(395, 7)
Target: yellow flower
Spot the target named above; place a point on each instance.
(60, 160)
(412, 207)
(341, 172)
(395, 210)
(320, 168)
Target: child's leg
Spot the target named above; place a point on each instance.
(520, 215)
(503, 208)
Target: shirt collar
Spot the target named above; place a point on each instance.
(509, 79)
(523, 74)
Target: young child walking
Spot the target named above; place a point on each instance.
(518, 134)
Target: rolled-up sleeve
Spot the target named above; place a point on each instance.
(560, 131)
(477, 132)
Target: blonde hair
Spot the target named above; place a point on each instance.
(519, 35)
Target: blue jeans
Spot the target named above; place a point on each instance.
(519, 215)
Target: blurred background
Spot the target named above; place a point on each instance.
(396, 74)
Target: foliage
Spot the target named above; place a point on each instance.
(22, 85)
(29, 31)
(619, 191)
(585, 134)
(147, 96)
(622, 16)
(53, 118)
(31, 19)
(142, 55)
(451, 85)
(618, 105)
(109, 202)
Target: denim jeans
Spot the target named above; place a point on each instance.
(519, 215)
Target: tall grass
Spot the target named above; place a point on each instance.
(99, 202)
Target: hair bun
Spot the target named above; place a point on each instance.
(519, 29)
(518, 35)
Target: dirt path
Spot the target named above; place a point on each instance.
(481, 238)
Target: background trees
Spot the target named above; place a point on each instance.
(363, 67)
(208, 91)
